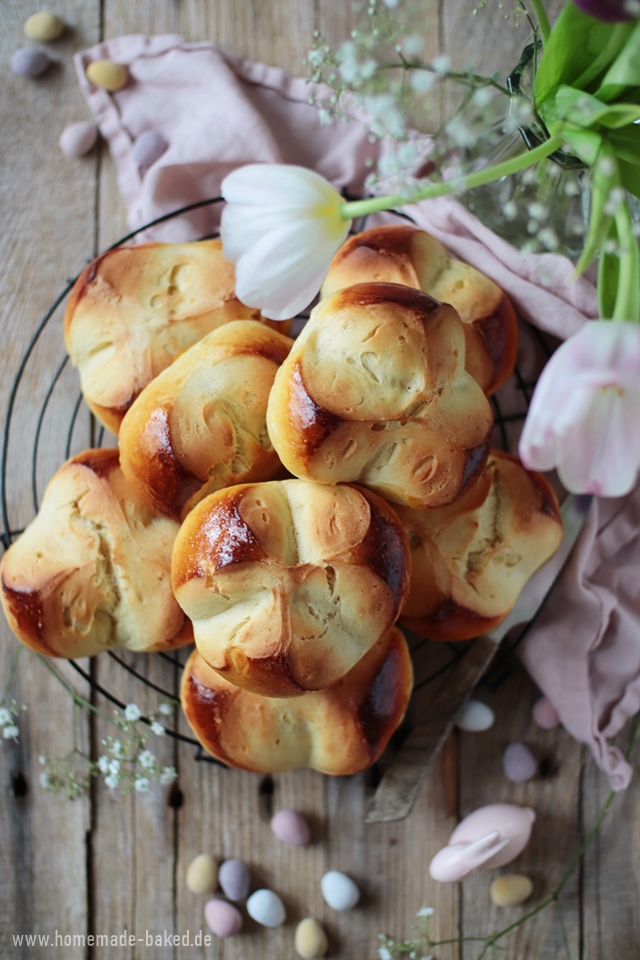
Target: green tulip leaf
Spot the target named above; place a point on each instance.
(605, 177)
(574, 44)
(585, 110)
(626, 143)
(625, 70)
(629, 177)
(608, 271)
(585, 144)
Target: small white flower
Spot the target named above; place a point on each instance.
(413, 45)
(166, 709)
(11, 732)
(442, 64)
(391, 4)
(114, 767)
(421, 81)
(132, 712)
(111, 782)
(157, 729)
(167, 776)
(316, 58)
(103, 763)
(549, 238)
(425, 912)
(117, 749)
(384, 953)
(44, 780)
(42, 759)
(142, 784)
(5, 716)
(147, 759)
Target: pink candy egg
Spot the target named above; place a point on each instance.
(78, 138)
(29, 62)
(544, 714)
(148, 147)
(291, 827)
(518, 763)
(223, 918)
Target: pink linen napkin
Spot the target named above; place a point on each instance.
(217, 112)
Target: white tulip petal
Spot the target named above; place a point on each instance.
(269, 184)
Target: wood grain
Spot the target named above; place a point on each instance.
(103, 865)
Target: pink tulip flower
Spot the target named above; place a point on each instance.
(584, 417)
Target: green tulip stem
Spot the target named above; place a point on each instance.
(360, 208)
(627, 303)
(543, 20)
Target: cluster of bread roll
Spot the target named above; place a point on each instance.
(285, 503)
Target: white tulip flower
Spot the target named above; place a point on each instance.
(280, 227)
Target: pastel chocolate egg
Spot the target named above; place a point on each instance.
(518, 763)
(201, 874)
(78, 138)
(511, 889)
(266, 908)
(223, 918)
(544, 714)
(43, 26)
(147, 148)
(107, 74)
(475, 716)
(291, 827)
(29, 62)
(234, 879)
(311, 941)
(339, 890)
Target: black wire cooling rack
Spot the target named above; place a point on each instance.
(58, 424)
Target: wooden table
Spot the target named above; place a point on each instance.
(101, 865)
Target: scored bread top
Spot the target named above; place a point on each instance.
(470, 560)
(92, 571)
(135, 309)
(403, 254)
(289, 583)
(338, 731)
(375, 392)
(200, 425)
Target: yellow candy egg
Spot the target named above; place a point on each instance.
(43, 26)
(511, 890)
(107, 74)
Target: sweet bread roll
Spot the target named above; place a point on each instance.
(200, 425)
(403, 254)
(135, 309)
(338, 731)
(470, 560)
(289, 583)
(93, 569)
(375, 392)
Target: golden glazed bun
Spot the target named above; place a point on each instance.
(200, 425)
(93, 569)
(470, 560)
(403, 254)
(374, 391)
(289, 583)
(338, 731)
(135, 309)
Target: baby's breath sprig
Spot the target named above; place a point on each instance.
(126, 764)
(9, 709)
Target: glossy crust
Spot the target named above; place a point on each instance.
(289, 583)
(135, 309)
(403, 254)
(200, 425)
(374, 391)
(471, 560)
(339, 731)
(92, 571)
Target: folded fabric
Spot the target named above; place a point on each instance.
(216, 112)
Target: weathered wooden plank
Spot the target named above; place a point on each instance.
(43, 195)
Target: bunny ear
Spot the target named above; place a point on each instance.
(458, 860)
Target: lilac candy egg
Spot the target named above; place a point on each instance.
(291, 827)
(78, 138)
(29, 62)
(234, 879)
(518, 763)
(489, 837)
(544, 714)
(148, 147)
(223, 918)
